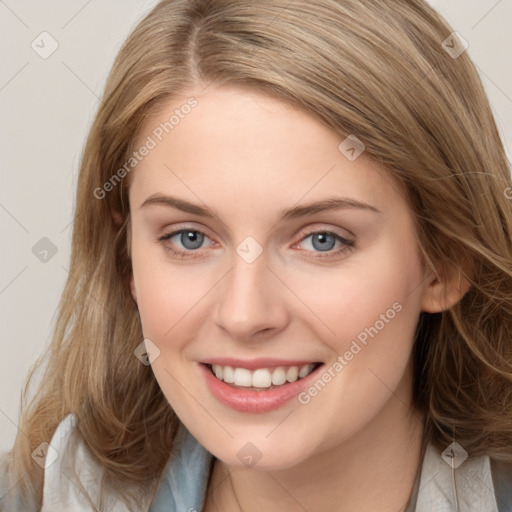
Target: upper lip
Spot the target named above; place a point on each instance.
(254, 364)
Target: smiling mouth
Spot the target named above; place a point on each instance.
(261, 379)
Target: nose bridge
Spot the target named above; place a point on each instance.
(249, 299)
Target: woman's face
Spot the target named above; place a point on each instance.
(234, 266)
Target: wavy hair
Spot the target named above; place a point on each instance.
(373, 68)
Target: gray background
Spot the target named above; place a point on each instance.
(46, 107)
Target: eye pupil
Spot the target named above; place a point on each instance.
(326, 241)
(191, 237)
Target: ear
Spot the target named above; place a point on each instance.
(445, 289)
(118, 218)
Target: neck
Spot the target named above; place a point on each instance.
(373, 470)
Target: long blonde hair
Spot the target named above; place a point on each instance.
(373, 68)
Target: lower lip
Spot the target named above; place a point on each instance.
(255, 401)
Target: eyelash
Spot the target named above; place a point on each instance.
(347, 245)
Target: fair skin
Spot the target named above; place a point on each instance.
(356, 444)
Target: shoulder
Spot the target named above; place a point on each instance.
(72, 478)
(502, 479)
(49, 456)
(475, 483)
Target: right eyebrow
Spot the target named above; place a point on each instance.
(178, 204)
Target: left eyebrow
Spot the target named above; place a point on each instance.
(329, 204)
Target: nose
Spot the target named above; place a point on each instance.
(252, 301)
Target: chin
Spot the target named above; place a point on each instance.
(263, 456)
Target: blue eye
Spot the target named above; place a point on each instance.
(190, 239)
(323, 243)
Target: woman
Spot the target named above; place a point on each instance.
(290, 276)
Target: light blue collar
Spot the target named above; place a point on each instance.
(183, 488)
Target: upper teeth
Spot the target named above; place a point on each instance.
(262, 377)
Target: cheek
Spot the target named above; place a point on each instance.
(164, 307)
(157, 300)
(375, 324)
(169, 299)
(371, 307)
(373, 313)
(166, 292)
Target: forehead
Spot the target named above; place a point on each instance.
(238, 142)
